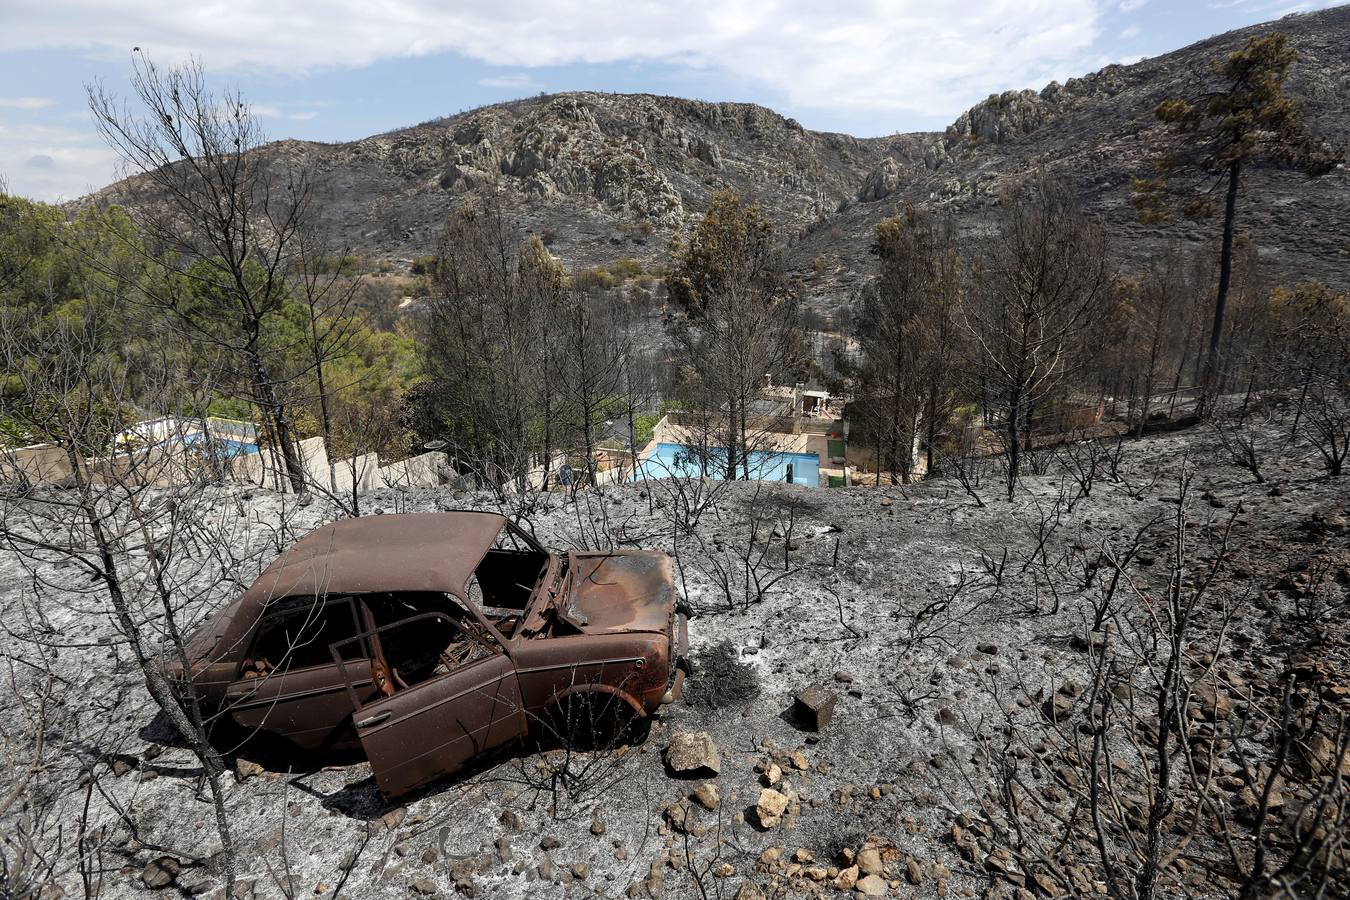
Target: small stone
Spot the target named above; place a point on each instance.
(245, 769)
(773, 773)
(160, 872)
(424, 885)
(846, 879)
(597, 827)
(869, 861)
(986, 647)
(1214, 704)
(580, 870)
(393, 818)
(1058, 707)
(707, 797)
(912, 871)
(549, 842)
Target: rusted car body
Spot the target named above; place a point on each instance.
(431, 638)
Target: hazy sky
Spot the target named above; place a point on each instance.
(340, 69)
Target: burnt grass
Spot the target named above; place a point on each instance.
(721, 680)
(944, 629)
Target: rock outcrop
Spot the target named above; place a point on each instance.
(602, 176)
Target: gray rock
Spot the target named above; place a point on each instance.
(814, 707)
(693, 753)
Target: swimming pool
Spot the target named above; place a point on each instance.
(225, 448)
(680, 461)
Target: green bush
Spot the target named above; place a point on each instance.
(644, 426)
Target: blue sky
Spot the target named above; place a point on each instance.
(335, 70)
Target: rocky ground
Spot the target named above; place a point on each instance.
(950, 638)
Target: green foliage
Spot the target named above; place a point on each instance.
(1246, 114)
(610, 276)
(644, 426)
(424, 265)
(90, 280)
(733, 242)
(339, 265)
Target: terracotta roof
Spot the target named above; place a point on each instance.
(413, 552)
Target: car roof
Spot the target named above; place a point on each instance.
(409, 552)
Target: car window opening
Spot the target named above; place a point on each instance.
(427, 648)
(506, 579)
(296, 633)
(428, 645)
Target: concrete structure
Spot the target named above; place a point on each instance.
(172, 450)
(34, 464)
(422, 471)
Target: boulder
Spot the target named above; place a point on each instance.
(770, 807)
(693, 753)
(872, 886)
(749, 891)
(869, 861)
(814, 707)
(1058, 707)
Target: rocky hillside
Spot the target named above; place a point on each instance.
(1099, 131)
(601, 176)
(949, 671)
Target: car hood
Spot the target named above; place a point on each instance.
(621, 591)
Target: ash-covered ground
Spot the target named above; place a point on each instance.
(956, 637)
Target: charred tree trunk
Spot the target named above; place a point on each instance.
(1211, 376)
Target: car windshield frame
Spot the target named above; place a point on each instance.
(551, 563)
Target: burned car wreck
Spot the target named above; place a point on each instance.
(432, 638)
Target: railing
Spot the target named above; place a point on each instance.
(772, 424)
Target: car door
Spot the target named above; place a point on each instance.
(442, 712)
(289, 683)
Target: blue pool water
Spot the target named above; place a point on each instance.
(225, 447)
(677, 460)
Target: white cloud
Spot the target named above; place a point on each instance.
(518, 81)
(1130, 6)
(302, 116)
(53, 163)
(1131, 31)
(26, 102)
(912, 56)
(265, 110)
